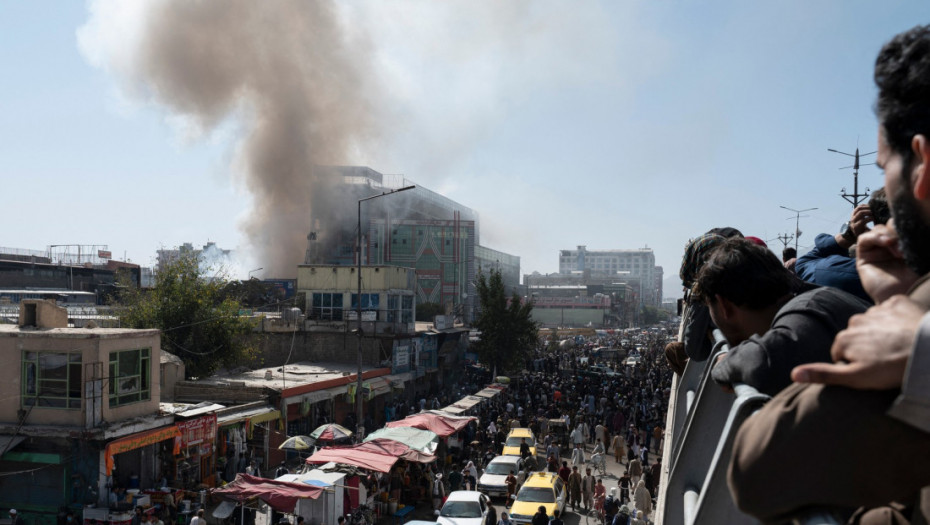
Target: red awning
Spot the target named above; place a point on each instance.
(355, 455)
(396, 448)
(443, 426)
(281, 495)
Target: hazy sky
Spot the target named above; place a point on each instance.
(610, 124)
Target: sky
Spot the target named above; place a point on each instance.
(615, 125)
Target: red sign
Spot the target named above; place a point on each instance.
(104, 254)
(197, 431)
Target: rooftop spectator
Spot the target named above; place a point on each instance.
(772, 321)
(829, 263)
(877, 393)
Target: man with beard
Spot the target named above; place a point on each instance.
(877, 391)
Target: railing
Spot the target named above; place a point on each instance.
(704, 420)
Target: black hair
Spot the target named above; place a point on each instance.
(788, 253)
(902, 74)
(746, 274)
(878, 205)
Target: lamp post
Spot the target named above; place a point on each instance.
(360, 428)
(253, 271)
(797, 223)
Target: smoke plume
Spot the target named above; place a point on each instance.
(291, 73)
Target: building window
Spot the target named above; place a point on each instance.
(406, 309)
(52, 379)
(129, 376)
(370, 301)
(327, 307)
(392, 308)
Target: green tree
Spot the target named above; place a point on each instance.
(427, 311)
(508, 332)
(199, 321)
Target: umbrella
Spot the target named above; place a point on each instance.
(297, 443)
(331, 432)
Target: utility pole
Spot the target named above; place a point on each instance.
(785, 238)
(797, 223)
(855, 197)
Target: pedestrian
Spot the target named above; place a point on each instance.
(541, 518)
(438, 491)
(578, 456)
(14, 518)
(199, 519)
(574, 488)
(642, 499)
(619, 448)
(587, 490)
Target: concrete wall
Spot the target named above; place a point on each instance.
(344, 278)
(569, 316)
(320, 347)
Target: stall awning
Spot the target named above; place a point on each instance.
(444, 425)
(396, 448)
(488, 393)
(142, 439)
(318, 395)
(8, 443)
(397, 380)
(415, 438)
(466, 403)
(231, 417)
(353, 456)
(280, 495)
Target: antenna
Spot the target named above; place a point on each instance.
(855, 197)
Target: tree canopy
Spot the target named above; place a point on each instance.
(508, 332)
(199, 321)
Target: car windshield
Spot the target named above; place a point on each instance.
(536, 495)
(515, 441)
(501, 468)
(461, 509)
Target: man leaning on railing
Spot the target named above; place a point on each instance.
(856, 433)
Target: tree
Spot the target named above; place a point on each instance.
(508, 332)
(427, 311)
(199, 322)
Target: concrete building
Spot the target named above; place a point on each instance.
(508, 265)
(639, 264)
(66, 397)
(419, 228)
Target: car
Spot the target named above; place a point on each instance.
(604, 370)
(464, 507)
(496, 471)
(515, 437)
(544, 489)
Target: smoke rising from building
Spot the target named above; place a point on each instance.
(289, 71)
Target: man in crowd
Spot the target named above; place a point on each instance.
(772, 321)
(877, 393)
(829, 262)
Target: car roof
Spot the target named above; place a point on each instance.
(541, 479)
(506, 459)
(520, 432)
(464, 495)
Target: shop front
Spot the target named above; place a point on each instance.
(194, 458)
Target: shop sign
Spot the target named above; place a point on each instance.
(197, 431)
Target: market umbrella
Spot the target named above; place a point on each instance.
(297, 443)
(331, 432)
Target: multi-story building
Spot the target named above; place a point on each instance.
(209, 253)
(639, 264)
(418, 229)
(508, 265)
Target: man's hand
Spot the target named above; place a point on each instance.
(860, 219)
(872, 353)
(880, 264)
(728, 388)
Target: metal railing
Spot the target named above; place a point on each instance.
(704, 425)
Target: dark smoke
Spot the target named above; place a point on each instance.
(295, 77)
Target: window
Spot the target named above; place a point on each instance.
(52, 379)
(392, 308)
(327, 307)
(370, 301)
(406, 309)
(129, 376)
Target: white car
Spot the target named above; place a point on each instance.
(492, 481)
(464, 507)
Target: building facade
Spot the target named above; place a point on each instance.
(639, 264)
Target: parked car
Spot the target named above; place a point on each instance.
(492, 482)
(464, 507)
(544, 489)
(561, 433)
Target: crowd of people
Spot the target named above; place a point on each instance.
(839, 337)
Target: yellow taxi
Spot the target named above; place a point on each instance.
(541, 489)
(515, 437)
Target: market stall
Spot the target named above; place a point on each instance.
(443, 424)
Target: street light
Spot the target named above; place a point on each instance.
(253, 271)
(797, 221)
(360, 428)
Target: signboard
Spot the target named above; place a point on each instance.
(442, 322)
(197, 431)
(401, 359)
(104, 254)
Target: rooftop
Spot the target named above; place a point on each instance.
(11, 330)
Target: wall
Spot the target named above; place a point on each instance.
(319, 347)
(569, 316)
(344, 278)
